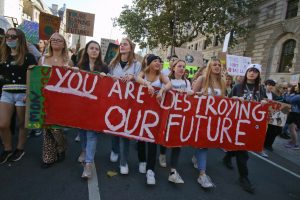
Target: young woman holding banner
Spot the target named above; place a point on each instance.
(14, 62)
(151, 77)
(90, 61)
(54, 142)
(250, 90)
(210, 83)
(180, 83)
(126, 68)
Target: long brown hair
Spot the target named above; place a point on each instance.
(84, 60)
(21, 48)
(172, 73)
(131, 57)
(208, 78)
(64, 52)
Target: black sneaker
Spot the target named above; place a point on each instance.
(246, 184)
(5, 156)
(17, 155)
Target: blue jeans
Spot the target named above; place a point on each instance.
(120, 146)
(201, 155)
(88, 141)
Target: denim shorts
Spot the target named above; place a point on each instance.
(13, 98)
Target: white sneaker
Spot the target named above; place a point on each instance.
(263, 154)
(124, 169)
(194, 161)
(150, 177)
(162, 160)
(113, 156)
(77, 138)
(175, 177)
(81, 157)
(205, 181)
(142, 167)
(87, 171)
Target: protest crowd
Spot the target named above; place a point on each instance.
(17, 56)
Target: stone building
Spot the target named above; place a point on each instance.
(274, 42)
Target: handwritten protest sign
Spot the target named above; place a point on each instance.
(294, 80)
(237, 65)
(31, 31)
(37, 77)
(111, 52)
(90, 102)
(80, 23)
(278, 112)
(49, 24)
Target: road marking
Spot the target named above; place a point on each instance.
(276, 165)
(94, 193)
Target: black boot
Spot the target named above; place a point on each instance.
(246, 184)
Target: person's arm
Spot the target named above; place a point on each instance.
(198, 85)
(140, 79)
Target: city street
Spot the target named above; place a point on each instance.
(276, 178)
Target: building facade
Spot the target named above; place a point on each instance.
(274, 42)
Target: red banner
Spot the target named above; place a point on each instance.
(87, 101)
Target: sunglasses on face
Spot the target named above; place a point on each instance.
(12, 37)
(56, 40)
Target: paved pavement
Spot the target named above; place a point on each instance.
(276, 178)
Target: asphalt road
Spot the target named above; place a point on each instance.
(26, 180)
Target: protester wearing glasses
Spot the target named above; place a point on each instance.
(167, 71)
(14, 62)
(209, 84)
(54, 142)
(124, 67)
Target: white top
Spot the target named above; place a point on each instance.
(118, 71)
(156, 83)
(217, 92)
(166, 71)
(181, 84)
(269, 95)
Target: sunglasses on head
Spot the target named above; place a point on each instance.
(13, 37)
(253, 70)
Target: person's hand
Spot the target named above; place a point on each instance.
(127, 77)
(238, 98)
(263, 102)
(150, 90)
(190, 93)
(102, 75)
(199, 93)
(75, 69)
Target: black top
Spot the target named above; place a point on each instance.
(247, 93)
(123, 64)
(16, 74)
(99, 69)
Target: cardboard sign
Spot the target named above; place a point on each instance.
(295, 79)
(31, 31)
(104, 45)
(237, 65)
(191, 57)
(278, 113)
(111, 52)
(91, 102)
(80, 23)
(49, 24)
(37, 78)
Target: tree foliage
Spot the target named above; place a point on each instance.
(167, 22)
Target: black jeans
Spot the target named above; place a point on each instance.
(175, 152)
(271, 134)
(151, 154)
(241, 160)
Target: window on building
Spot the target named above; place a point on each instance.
(292, 9)
(196, 46)
(205, 44)
(287, 55)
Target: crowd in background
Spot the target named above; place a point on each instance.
(17, 55)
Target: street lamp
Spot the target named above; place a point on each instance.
(173, 26)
